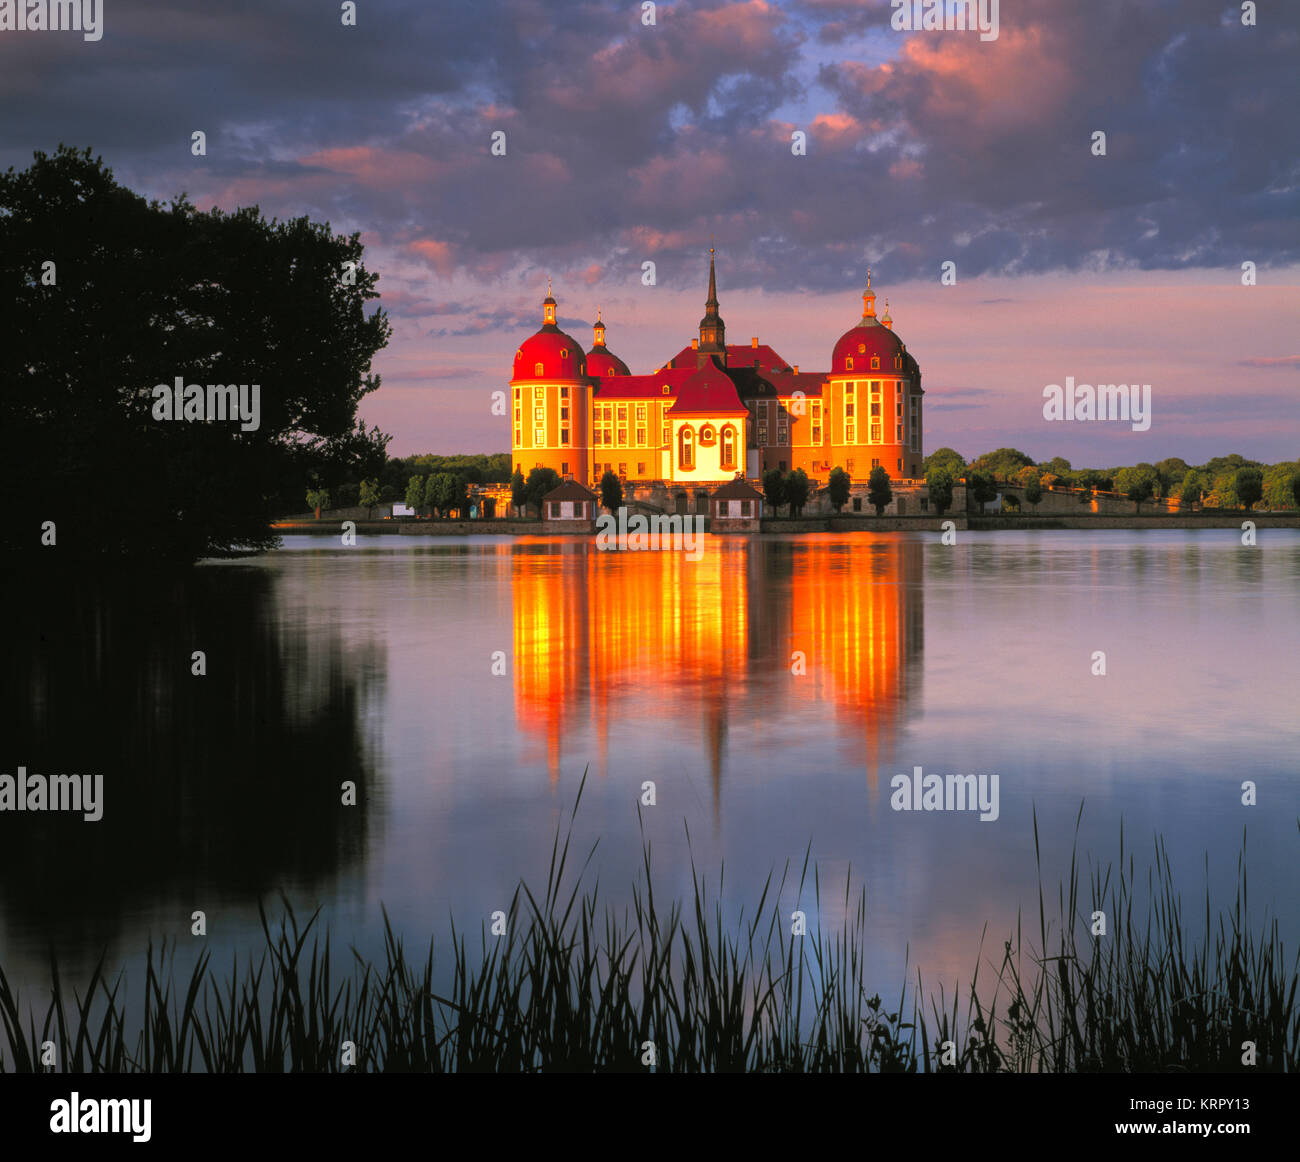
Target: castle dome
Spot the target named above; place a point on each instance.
(600, 360)
(869, 341)
(550, 353)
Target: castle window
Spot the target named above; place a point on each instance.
(622, 411)
(848, 364)
(564, 437)
(849, 464)
(640, 468)
(816, 434)
(668, 435)
(850, 433)
(848, 409)
(706, 435)
(537, 369)
(862, 348)
(564, 393)
(875, 433)
(564, 415)
(640, 412)
(564, 353)
(539, 413)
(667, 389)
(686, 449)
(728, 447)
(875, 363)
(539, 437)
(898, 362)
(622, 437)
(640, 437)
(539, 392)
(875, 409)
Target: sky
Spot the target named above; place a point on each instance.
(628, 142)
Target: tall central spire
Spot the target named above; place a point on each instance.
(713, 331)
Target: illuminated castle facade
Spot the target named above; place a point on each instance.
(716, 411)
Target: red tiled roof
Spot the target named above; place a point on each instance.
(643, 386)
(569, 490)
(737, 490)
(739, 355)
(808, 382)
(708, 392)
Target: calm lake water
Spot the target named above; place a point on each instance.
(375, 664)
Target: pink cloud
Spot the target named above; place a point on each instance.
(375, 168)
(437, 254)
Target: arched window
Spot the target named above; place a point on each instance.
(875, 363)
(848, 363)
(728, 447)
(686, 450)
(537, 370)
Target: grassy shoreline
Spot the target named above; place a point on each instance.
(574, 986)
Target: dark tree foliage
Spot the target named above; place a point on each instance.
(839, 485)
(540, 482)
(1249, 484)
(797, 487)
(979, 487)
(144, 292)
(939, 482)
(879, 492)
(774, 488)
(611, 491)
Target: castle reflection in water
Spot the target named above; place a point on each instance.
(603, 638)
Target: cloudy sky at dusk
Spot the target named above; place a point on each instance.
(627, 144)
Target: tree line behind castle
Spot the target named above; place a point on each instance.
(445, 486)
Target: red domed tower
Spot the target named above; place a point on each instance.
(875, 399)
(550, 397)
(601, 360)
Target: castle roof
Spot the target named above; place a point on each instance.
(737, 490)
(569, 490)
(708, 391)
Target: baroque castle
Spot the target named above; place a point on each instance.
(716, 412)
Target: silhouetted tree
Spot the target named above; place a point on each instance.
(142, 295)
